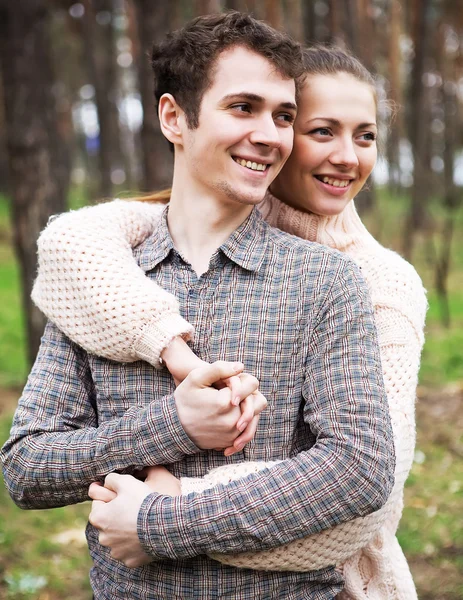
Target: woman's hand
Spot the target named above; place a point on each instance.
(161, 481)
(157, 478)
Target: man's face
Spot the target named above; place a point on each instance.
(245, 131)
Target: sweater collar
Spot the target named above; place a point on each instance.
(246, 245)
(339, 231)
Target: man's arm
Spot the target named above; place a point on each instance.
(347, 473)
(56, 447)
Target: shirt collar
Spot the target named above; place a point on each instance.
(156, 247)
(245, 246)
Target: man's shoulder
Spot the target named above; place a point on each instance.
(289, 245)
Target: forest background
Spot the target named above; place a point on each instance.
(78, 124)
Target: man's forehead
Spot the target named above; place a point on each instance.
(239, 70)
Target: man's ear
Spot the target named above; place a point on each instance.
(171, 118)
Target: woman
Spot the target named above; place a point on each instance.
(108, 306)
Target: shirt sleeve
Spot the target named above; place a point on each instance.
(89, 285)
(348, 473)
(56, 446)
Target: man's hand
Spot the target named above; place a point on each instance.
(181, 360)
(208, 415)
(116, 519)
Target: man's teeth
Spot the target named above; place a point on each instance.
(336, 182)
(251, 165)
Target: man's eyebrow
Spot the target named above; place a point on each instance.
(338, 123)
(255, 98)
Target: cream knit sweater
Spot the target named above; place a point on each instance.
(89, 286)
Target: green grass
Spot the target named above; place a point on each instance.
(34, 565)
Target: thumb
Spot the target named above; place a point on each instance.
(114, 482)
(209, 374)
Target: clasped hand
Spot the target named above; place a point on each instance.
(219, 418)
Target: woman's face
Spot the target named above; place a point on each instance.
(334, 148)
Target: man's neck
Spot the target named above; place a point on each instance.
(200, 222)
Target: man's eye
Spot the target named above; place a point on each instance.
(287, 117)
(242, 107)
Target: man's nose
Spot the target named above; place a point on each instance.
(266, 133)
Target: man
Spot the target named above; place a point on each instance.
(298, 314)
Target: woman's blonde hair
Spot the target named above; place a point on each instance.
(160, 197)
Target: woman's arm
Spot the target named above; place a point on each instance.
(89, 285)
(401, 339)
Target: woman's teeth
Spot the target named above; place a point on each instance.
(335, 182)
(250, 165)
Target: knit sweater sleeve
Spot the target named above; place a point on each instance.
(89, 285)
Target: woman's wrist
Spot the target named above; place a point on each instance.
(180, 359)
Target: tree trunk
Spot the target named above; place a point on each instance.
(418, 131)
(274, 13)
(39, 171)
(100, 57)
(294, 22)
(205, 7)
(395, 94)
(153, 19)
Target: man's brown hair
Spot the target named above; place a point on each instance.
(183, 63)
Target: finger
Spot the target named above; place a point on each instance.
(247, 413)
(209, 374)
(114, 481)
(98, 492)
(246, 436)
(249, 384)
(94, 517)
(234, 385)
(260, 402)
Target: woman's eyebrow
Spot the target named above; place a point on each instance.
(337, 123)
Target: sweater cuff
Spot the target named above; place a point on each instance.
(158, 335)
(194, 485)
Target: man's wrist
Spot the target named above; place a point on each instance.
(159, 529)
(160, 437)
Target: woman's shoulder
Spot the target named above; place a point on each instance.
(393, 281)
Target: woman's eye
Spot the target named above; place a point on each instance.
(368, 137)
(323, 131)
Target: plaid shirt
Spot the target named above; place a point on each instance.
(299, 317)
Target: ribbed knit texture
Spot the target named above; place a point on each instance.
(105, 304)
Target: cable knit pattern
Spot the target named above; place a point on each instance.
(99, 243)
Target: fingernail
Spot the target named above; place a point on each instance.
(236, 401)
(238, 367)
(242, 426)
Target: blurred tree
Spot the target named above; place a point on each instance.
(395, 93)
(38, 165)
(153, 20)
(294, 22)
(417, 117)
(100, 53)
